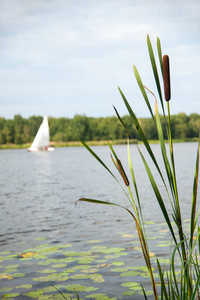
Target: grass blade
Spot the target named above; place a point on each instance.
(163, 287)
(139, 81)
(194, 198)
(158, 196)
(155, 72)
(97, 158)
(159, 54)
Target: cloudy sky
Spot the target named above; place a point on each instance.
(66, 57)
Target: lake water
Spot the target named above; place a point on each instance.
(88, 247)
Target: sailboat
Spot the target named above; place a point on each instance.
(41, 140)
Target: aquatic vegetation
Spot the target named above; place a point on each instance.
(54, 269)
(185, 286)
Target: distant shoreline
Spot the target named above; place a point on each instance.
(91, 143)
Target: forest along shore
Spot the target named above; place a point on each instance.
(66, 132)
(92, 143)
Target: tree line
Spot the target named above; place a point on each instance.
(21, 130)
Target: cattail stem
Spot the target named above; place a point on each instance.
(166, 77)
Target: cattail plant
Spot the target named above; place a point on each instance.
(186, 247)
(166, 77)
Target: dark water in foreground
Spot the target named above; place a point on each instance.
(93, 249)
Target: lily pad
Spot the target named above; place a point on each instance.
(5, 289)
(11, 295)
(129, 273)
(24, 286)
(80, 288)
(47, 271)
(34, 294)
(52, 277)
(118, 263)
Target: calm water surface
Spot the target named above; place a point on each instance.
(38, 192)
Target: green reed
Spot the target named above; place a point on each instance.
(185, 286)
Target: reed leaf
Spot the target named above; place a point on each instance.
(158, 196)
(159, 54)
(97, 158)
(141, 86)
(163, 285)
(155, 72)
(194, 198)
(141, 133)
(164, 155)
(133, 177)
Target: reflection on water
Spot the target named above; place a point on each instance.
(38, 192)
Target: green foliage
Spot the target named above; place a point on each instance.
(22, 131)
(186, 248)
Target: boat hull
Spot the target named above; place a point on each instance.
(48, 149)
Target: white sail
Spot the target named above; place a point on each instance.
(41, 140)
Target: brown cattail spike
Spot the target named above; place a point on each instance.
(166, 77)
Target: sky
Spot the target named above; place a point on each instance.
(61, 58)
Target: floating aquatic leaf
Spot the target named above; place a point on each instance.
(44, 263)
(27, 254)
(82, 267)
(40, 238)
(5, 276)
(148, 293)
(130, 293)
(105, 249)
(85, 260)
(94, 241)
(99, 297)
(11, 295)
(24, 286)
(94, 277)
(18, 275)
(91, 270)
(34, 294)
(59, 265)
(118, 263)
(119, 270)
(8, 257)
(130, 284)
(47, 271)
(6, 289)
(129, 273)
(148, 275)
(103, 265)
(79, 288)
(127, 235)
(51, 277)
(117, 255)
(11, 266)
(56, 297)
(74, 253)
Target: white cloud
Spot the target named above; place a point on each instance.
(74, 50)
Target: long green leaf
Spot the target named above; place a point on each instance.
(194, 198)
(155, 72)
(97, 158)
(164, 155)
(158, 196)
(163, 287)
(140, 131)
(139, 81)
(160, 54)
